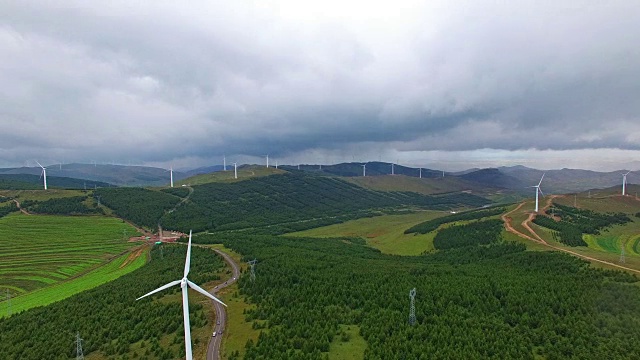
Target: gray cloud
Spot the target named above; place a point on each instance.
(158, 81)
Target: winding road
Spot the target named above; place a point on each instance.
(213, 349)
(526, 224)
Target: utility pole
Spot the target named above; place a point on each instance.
(79, 354)
(412, 307)
(253, 273)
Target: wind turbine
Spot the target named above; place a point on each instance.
(364, 169)
(420, 173)
(43, 174)
(235, 170)
(267, 155)
(224, 163)
(538, 190)
(624, 183)
(392, 171)
(184, 283)
(171, 173)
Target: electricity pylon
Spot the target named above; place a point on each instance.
(253, 273)
(79, 354)
(412, 308)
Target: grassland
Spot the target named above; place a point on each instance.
(351, 347)
(244, 173)
(425, 186)
(385, 233)
(54, 253)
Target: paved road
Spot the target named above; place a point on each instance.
(213, 350)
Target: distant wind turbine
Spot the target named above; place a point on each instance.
(224, 163)
(420, 173)
(364, 169)
(267, 155)
(538, 191)
(235, 170)
(184, 283)
(624, 183)
(170, 175)
(392, 170)
(43, 174)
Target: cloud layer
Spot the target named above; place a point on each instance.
(158, 81)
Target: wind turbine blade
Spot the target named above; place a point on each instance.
(541, 191)
(541, 179)
(204, 292)
(187, 262)
(173, 283)
(39, 164)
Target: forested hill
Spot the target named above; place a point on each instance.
(276, 204)
(30, 182)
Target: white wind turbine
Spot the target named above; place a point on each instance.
(184, 283)
(224, 162)
(267, 155)
(624, 183)
(538, 191)
(171, 173)
(43, 174)
(420, 173)
(235, 170)
(364, 169)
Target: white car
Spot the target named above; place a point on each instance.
(214, 334)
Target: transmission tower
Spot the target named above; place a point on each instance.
(253, 273)
(79, 354)
(622, 254)
(8, 303)
(412, 308)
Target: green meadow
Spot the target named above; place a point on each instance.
(47, 258)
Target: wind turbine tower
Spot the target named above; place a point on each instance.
(624, 183)
(267, 160)
(364, 170)
(538, 191)
(43, 174)
(235, 170)
(412, 308)
(224, 163)
(392, 169)
(171, 172)
(420, 173)
(185, 284)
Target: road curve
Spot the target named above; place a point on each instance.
(213, 349)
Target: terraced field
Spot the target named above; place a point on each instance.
(46, 252)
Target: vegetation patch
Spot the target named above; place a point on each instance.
(141, 206)
(347, 344)
(432, 225)
(572, 223)
(75, 205)
(476, 233)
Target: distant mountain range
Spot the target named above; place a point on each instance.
(515, 178)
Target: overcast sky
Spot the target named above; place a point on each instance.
(451, 84)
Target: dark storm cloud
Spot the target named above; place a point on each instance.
(159, 81)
